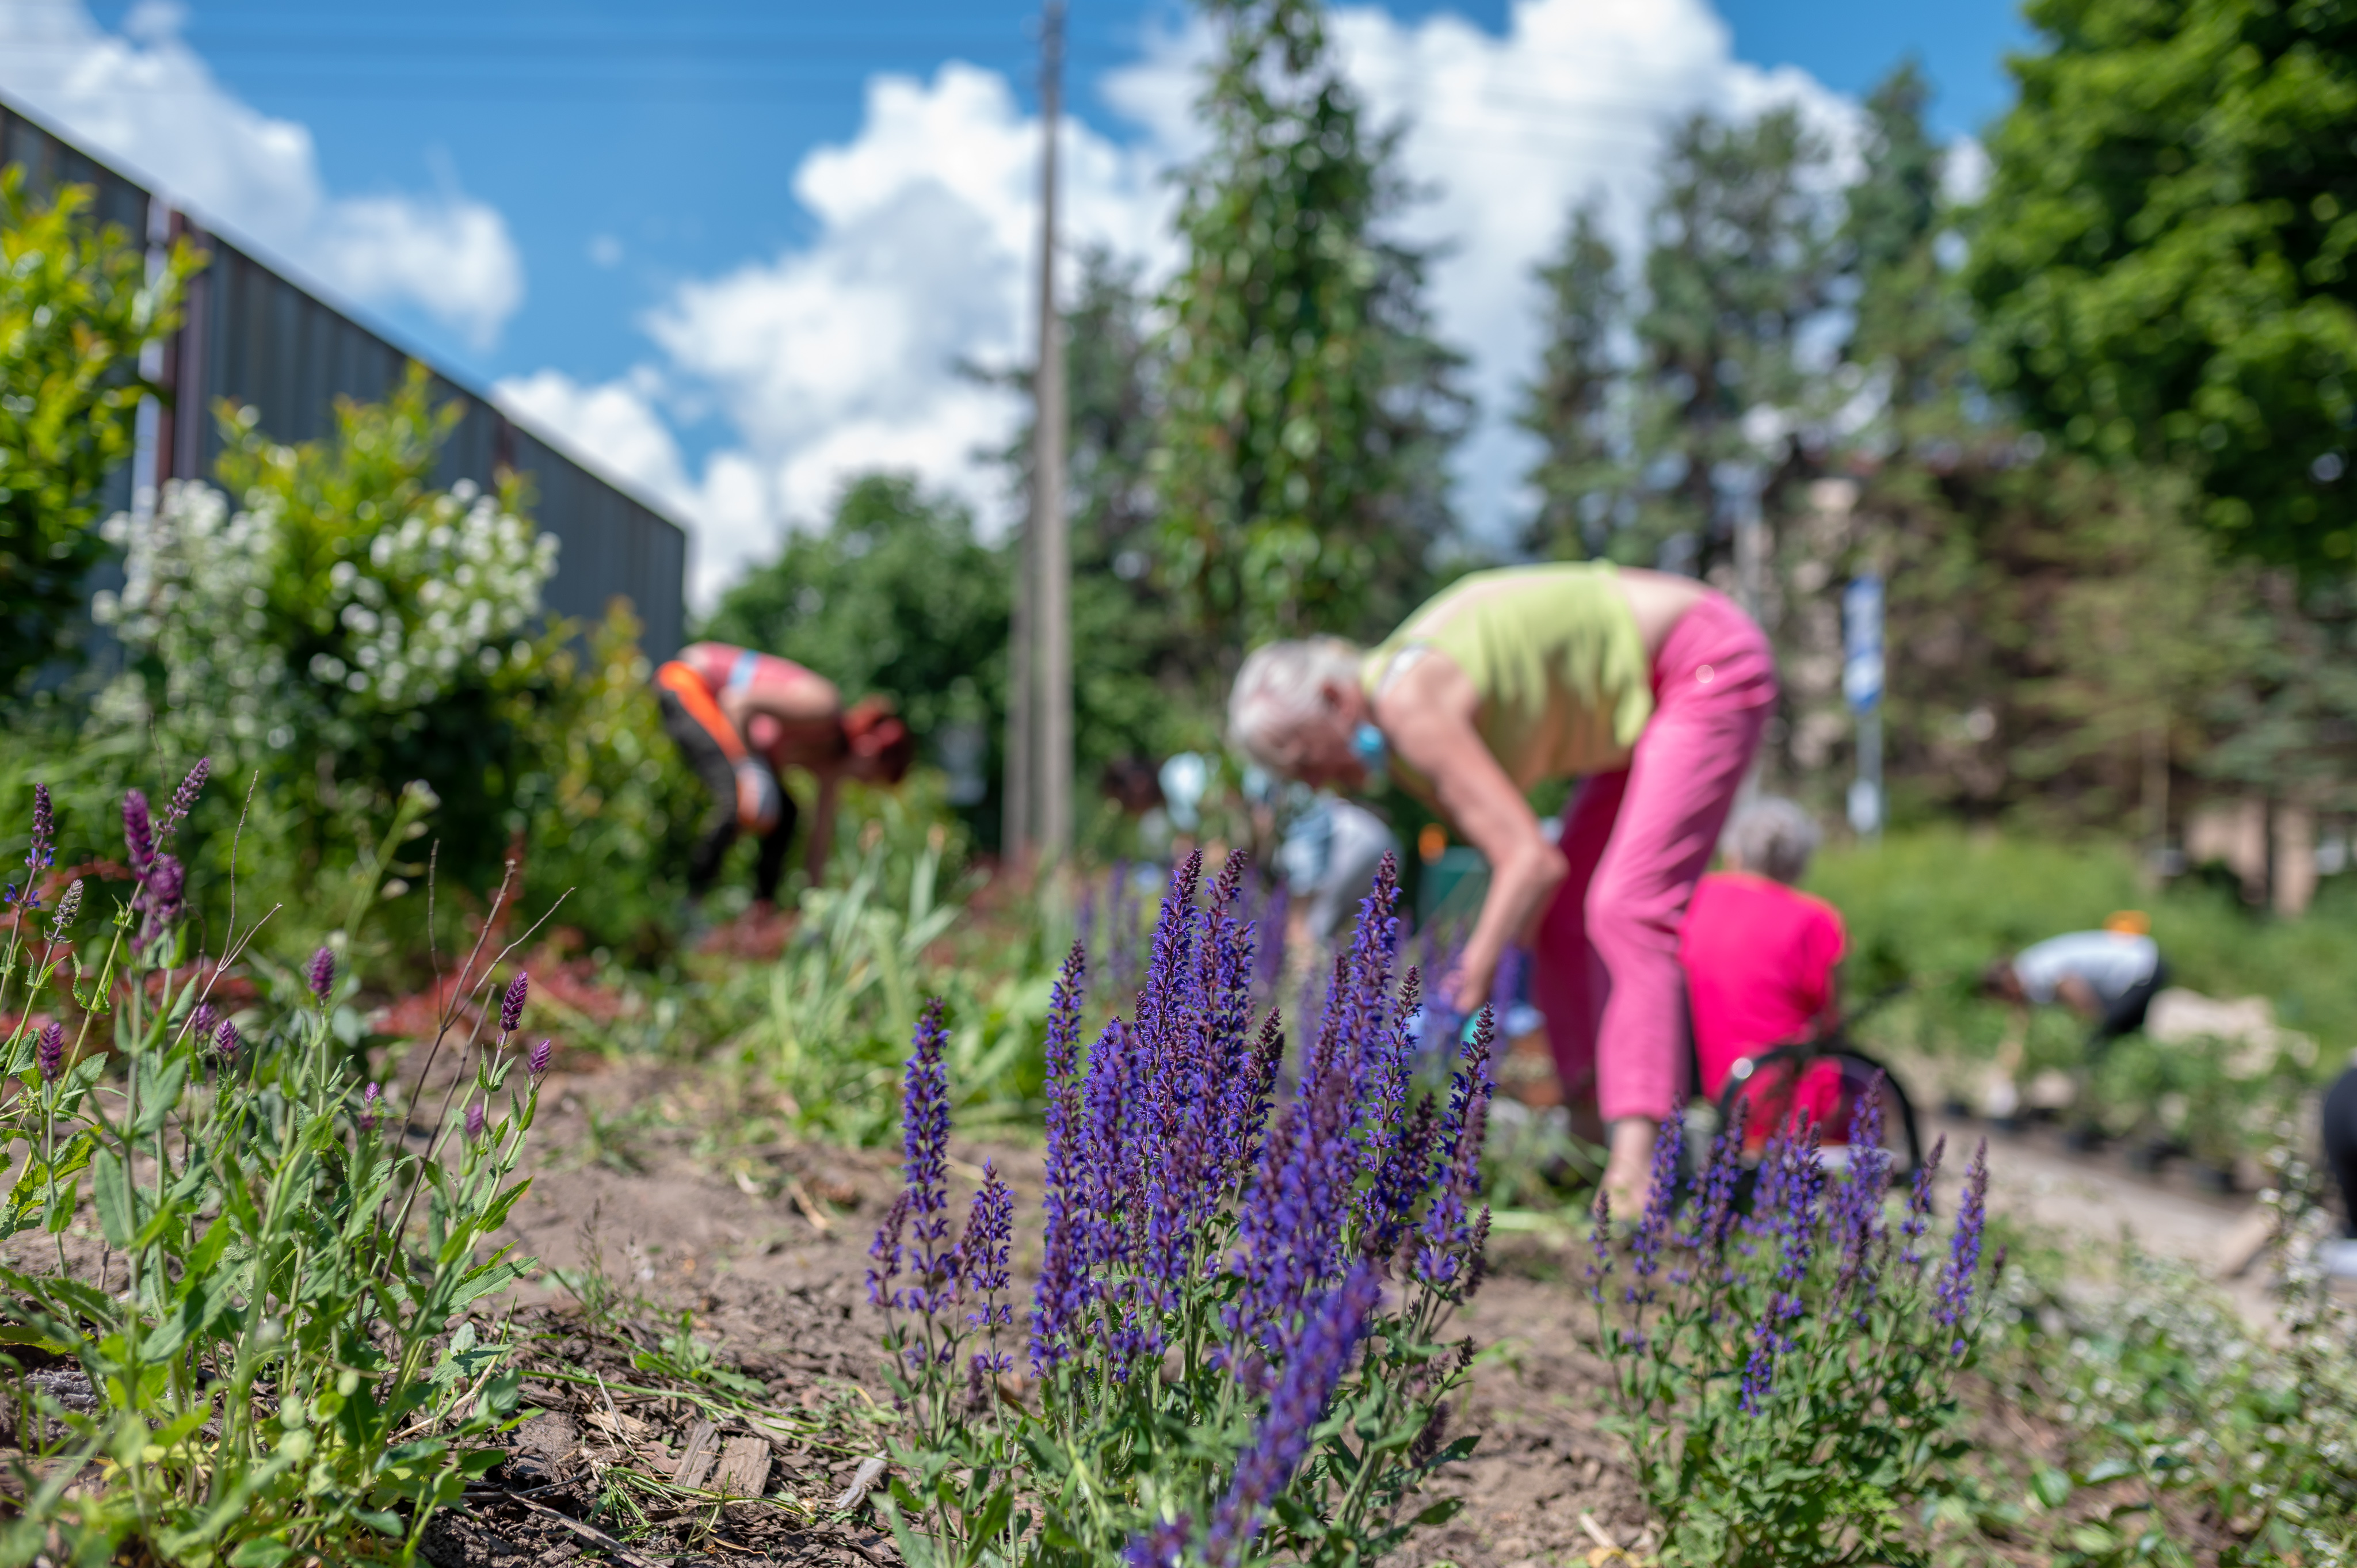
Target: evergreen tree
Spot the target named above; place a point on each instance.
(1308, 411)
(1741, 258)
(1581, 476)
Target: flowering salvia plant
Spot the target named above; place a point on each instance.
(272, 1338)
(1785, 1373)
(1235, 1347)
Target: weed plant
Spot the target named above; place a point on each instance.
(2174, 1407)
(272, 1361)
(1785, 1375)
(828, 1018)
(1235, 1349)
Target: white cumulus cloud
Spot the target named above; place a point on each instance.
(141, 98)
(843, 353)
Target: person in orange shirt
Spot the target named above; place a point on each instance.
(742, 718)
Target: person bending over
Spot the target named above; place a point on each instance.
(2340, 1255)
(1759, 953)
(742, 718)
(1653, 688)
(2109, 977)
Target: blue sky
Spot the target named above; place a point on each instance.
(733, 251)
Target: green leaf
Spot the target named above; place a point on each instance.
(110, 1192)
(2052, 1487)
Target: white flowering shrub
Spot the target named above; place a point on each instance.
(330, 618)
(434, 601)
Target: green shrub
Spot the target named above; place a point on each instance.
(283, 1373)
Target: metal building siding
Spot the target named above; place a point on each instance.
(254, 336)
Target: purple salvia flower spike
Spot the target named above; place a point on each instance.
(226, 1041)
(322, 973)
(885, 1252)
(1653, 1229)
(370, 1099)
(49, 1054)
(1060, 1294)
(511, 1003)
(42, 853)
(138, 832)
(982, 1264)
(476, 1116)
(1311, 1375)
(184, 800)
(924, 1139)
(201, 1022)
(1956, 1298)
(536, 1064)
(1164, 1545)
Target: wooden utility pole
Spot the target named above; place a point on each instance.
(1051, 530)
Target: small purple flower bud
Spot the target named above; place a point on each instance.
(225, 1040)
(201, 1021)
(138, 832)
(51, 1054)
(183, 800)
(323, 973)
(474, 1121)
(160, 898)
(511, 1004)
(69, 906)
(536, 1064)
(369, 1098)
(43, 852)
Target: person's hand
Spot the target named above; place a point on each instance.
(1467, 985)
(758, 804)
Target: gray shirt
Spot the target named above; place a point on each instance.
(2111, 963)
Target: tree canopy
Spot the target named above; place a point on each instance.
(2162, 261)
(1307, 410)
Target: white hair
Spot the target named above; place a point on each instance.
(1279, 690)
(1773, 837)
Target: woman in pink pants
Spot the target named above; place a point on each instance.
(1651, 688)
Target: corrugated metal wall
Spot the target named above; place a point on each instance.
(254, 336)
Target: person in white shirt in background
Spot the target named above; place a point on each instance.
(2109, 977)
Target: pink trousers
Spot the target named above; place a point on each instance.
(1606, 971)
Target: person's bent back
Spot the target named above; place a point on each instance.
(1758, 953)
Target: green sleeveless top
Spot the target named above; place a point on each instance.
(1554, 652)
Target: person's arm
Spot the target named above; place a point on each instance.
(821, 827)
(1427, 717)
(2073, 992)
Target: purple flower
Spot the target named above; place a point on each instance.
(1162, 1546)
(225, 1040)
(511, 1004)
(138, 832)
(51, 1054)
(369, 1098)
(1060, 1294)
(476, 1115)
(159, 898)
(1792, 1179)
(1955, 1300)
(1311, 1374)
(201, 1021)
(1654, 1231)
(982, 1251)
(184, 800)
(924, 1145)
(323, 973)
(1857, 1206)
(1447, 1231)
(1599, 1246)
(42, 854)
(536, 1064)
(885, 1252)
(1918, 1206)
